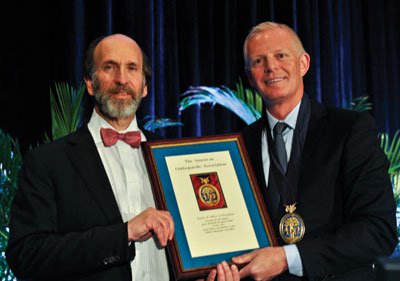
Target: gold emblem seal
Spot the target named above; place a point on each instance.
(292, 226)
(208, 193)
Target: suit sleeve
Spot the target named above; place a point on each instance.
(368, 226)
(37, 249)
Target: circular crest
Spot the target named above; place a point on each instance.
(292, 228)
(209, 195)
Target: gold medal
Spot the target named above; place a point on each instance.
(208, 193)
(292, 226)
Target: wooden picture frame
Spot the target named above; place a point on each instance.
(209, 187)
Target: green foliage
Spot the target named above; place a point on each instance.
(251, 98)
(66, 109)
(10, 165)
(392, 151)
(360, 104)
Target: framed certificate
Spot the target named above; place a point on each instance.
(208, 186)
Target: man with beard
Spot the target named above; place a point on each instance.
(84, 209)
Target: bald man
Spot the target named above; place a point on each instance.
(84, 209)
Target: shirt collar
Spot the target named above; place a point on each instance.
(97, 122)
(291, 119)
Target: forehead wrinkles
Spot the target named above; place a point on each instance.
(118, 51)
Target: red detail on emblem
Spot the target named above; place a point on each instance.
(208, 191)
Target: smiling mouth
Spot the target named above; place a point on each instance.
(275, 80)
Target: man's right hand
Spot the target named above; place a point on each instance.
(151, 222)
(262, 264)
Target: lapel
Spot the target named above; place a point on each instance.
(87, 162)
(270, 194)
(316, 125)
(252, 136)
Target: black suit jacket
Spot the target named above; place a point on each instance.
(344, 196)
(65, 223)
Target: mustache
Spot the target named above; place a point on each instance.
(121, 88)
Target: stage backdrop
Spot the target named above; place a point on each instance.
(353, 46)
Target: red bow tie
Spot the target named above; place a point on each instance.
(110, 137)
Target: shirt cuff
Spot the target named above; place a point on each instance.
(293, 259)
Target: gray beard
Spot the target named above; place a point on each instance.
(113, 108)
(116, 109)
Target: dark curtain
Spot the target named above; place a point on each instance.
(353, 46)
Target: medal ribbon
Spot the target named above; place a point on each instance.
(288, 183)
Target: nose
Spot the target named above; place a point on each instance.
(270, 65)
(120, 77)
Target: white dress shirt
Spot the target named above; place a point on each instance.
(291, 251)
(126, 170)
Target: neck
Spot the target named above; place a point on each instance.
(281, 109)
(118, 124)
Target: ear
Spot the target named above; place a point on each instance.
(304, 63)
(144, 90)
(89, 86)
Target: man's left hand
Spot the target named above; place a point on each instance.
(223, 272)
(262, 264)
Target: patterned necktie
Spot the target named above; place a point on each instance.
(110, 137)
(280, 145)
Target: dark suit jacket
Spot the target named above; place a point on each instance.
(65, 222)
(344, 196)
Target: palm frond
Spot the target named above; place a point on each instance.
(396, 188)
(360, 104)
(250, 97)
(392, 150)
(10, 165)
(152, 123)
(223, 96)
(66, 109)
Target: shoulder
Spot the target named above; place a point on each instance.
(343, 118)
(252, 133)
(59, 146)
(254, 127)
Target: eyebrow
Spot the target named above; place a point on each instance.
(117, 63)
(281, 50)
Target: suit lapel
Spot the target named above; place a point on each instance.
(318, 121)
(252, 136)
(86, 159)
(271, 196)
